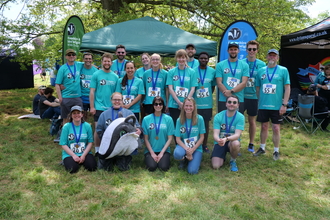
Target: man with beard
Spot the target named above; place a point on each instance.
(227, 129)
(118, 66)
(103, 84)
(204, 91)
(86, 74)
(232, 75)
(191, 51)
(273, 91)
(35, 103)
(250, 96)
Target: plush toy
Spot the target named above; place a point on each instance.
(119, 138)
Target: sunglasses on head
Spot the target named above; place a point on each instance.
(254, 49)
(71, 55)
(234, 102)
(158, 104)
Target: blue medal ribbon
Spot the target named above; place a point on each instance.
(182, 78)
(192, 64)
(254, 66)
(73, 74)
(188, 130)
(154, 82)
(75, 133)
(122, 66)
(200, 75)
(157, 126)
(231, 123)
(112, 113)
(129, 87)
(231, 70)
(271, 78)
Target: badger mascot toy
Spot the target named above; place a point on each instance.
(119, 139)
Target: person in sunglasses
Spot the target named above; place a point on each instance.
(227, 129)
(158, 130)
(232, 75)
(250, 96)
(118, 66)
(273, 90)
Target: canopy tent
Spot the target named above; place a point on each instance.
(305, 52)
(144, 35)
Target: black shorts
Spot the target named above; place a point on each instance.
(251, 106)
(222, 106)
(219, 151)
(274, 115)
(147, 109)
(86, 107)
(97, 115)
(205, 113)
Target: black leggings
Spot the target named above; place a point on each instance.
(73, 167)
(163, 164)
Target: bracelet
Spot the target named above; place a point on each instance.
(227, 139)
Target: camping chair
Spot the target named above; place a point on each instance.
(290, 113)
(306, 113)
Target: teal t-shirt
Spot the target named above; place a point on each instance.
(182, 131)
(232, 76)
(68, 138)
(140, 72)
(271, 82)
(203, 93)
(166, 128)
(69, 77)
(220, 123)
(118, 68)
(104, 85)
(149, 78)
(85, 80)
(134, 87)
(182, 81)
(250, 89)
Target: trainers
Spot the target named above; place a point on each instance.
(251, 148)
(259, 152)
(182, 164)
(233, 166)
(205, 149)
(276, 155)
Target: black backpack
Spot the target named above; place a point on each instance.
(55, 126)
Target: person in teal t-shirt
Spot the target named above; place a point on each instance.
(158, 130)
(132, 89)
(189, 134)
(145, 59)
(204, 91)
(191, 61)
(76, 141)
(118, 65)
(227, 129)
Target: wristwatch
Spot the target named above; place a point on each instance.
(285, 105)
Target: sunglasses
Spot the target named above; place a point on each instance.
(71, 55)
(158, 104)
(120, 52)
(254, 49)
(234, 102)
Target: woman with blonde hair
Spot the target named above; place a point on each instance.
(145, 59)
(189, 134)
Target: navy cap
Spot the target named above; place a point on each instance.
(76, 108)
(273, 51)
(190, 45)
(233, 44)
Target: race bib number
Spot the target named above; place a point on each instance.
(127, 99)
(181, 92)
(224, 134)
(202, 93)
(232, 82)
(155, 92)
(85, 83)
(77, 148)
(250, 82)
(190, 142)
(269, 88)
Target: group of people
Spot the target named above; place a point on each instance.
(176, 103)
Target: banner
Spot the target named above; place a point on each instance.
(73, 32)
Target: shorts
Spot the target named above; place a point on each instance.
(147, 109)
(219, 151)
(67, 104)
(251, 106)
(86, 106)
(97, 115)
(264, 116)
(222, 106)
(85, 99)
(205, 113)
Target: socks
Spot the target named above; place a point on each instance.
(232, 159)
(276, 149)
(263, 146)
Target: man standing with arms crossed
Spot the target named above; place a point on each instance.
(273, 90)
(250, 96)
(103, 84)
(232, 75)
(118, 66)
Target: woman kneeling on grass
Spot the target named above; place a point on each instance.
(77, 140)
(189, 133)
(158, 131)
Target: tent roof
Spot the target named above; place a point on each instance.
(313, 37)
(144, 35)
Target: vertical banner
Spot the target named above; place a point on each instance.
(73, 32)
(239, 32)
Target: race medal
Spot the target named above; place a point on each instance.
(202, 87)
(128, 97)
(156, 138)
(77, 145)
(226, 135)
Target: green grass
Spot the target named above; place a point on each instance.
(34, 186)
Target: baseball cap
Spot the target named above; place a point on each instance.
(42, 87)
(233, 44)
(76, 108)
(69, 51)
(190, 45)
(312, 88)
(273, 51)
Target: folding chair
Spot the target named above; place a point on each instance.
(290, 113)
(306, 113)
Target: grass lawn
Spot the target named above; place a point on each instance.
(34, 185)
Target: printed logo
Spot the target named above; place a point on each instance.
(263, 77)
(108, 122)
(102, 82)
(71, 137)
(82, 76)
(176, 78)
(71, 29)
(149, 80)
(152, 126)
(234, 34)
(227, 70)
(182, 130)
(223, 126)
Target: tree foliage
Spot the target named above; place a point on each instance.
(45, 20)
